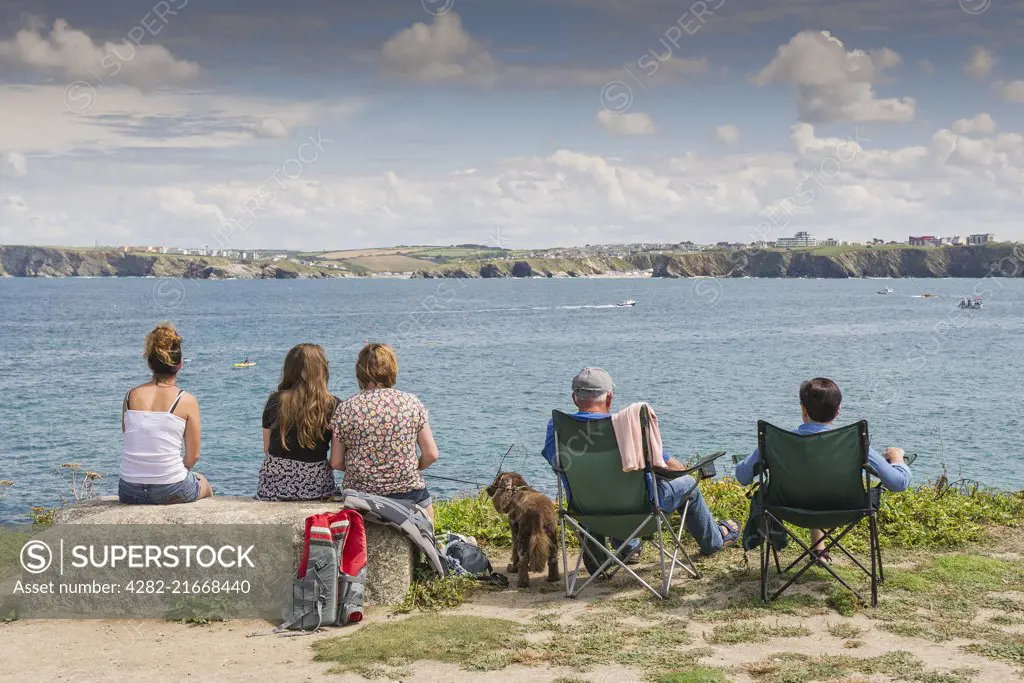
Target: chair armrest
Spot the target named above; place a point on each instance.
(702, 469)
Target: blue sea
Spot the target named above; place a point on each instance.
(492, 358)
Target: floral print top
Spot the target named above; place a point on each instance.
(379, 428)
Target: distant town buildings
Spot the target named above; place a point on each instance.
(955, 240)
(801, 239)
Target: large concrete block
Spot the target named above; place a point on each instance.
(390, 554)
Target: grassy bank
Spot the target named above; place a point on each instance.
(935, 515)
(951, 610)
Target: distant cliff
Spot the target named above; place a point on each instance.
(541, 267)
(19, 261)
(999, 260)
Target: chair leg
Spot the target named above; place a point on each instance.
(666, 575)
(878, 551)
(766, 547)
(775, 553)
(565, 557)
(874, 560)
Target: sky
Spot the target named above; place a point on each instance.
(325, 124)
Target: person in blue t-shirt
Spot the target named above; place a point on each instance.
(820, 399)
(592, 392)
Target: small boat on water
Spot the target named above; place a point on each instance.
(887, 290)
(627, 302)
(973, 303)
(929, 296)
(246, 364)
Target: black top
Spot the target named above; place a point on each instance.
(294, 451)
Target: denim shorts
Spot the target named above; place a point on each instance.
(185, 491)
(419, 497)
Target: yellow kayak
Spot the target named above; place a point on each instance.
(250, 364)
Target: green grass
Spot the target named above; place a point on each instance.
(473, 516)
(922, 517)
(11, 542)
(475, 643)
(844, 630)
(752, 632)
(434, 593)
(700, 674)
(394, 263)
(899, 665)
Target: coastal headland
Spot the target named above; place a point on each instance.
(467, 261)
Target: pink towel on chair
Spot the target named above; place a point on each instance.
(629, 436)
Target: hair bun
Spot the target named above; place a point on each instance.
(163, 348)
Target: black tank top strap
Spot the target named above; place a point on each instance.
(127, 398)
(178, 398)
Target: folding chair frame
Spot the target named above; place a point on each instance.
(830, 537)
(612, 557)
(613, 562)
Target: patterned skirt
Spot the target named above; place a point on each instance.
(286, 479)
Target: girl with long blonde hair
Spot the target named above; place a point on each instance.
(159, 420)
(296, 430)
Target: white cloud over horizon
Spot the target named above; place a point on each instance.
(632, 123)
(727, 134)
(71, 54)
(839, 186)
(833, 84)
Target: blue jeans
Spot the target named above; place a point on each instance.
(184, 491)
(673, 494)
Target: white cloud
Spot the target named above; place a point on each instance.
(927, 68)
(981, 63)
(635, 123)
(272, 128)
(15, 164)
(71, 54)
(35, 121)
(981, 124)
(833, 84)
(437, 52)
(849, 188)
(1011, 92)
(727, 134)
(444, 52)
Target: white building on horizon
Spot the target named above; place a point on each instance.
(801, 239)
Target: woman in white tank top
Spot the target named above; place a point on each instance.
(159, 420)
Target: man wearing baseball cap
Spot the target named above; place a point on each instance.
(592, 392)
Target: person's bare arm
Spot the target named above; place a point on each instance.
(673, 464)
(189, 406)
(337, 453)
(266, 440)
(428, 449)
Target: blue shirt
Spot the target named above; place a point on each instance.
(549, 443)
(893, 477)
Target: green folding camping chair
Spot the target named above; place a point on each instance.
(816, 481)
(598, 498)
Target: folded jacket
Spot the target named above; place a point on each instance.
(629, 436)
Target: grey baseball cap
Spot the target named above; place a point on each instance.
(592, 383)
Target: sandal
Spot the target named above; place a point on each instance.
(730, 534)
(822, 559)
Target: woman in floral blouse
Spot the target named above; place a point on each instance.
(376, 432)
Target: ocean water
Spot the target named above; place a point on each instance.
(492, 358)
